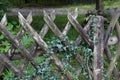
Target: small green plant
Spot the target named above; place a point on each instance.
(6, 74)
(47, 69)
(27, 41)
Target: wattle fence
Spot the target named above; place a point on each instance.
(99, 44)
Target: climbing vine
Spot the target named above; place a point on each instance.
(47, 69)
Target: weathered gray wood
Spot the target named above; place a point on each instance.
(10, 65)
(98, 47)
(111, 26)
(60, 35)
(49, 19)
(60, 66)
(19, 35)
(16, 43)
(42, 33)
(113, 62)
(31, 31)
(37, 38)
(117, 29)
(1, 67)
(58, 32)
(86, 29)
(52, 26)
(68, 25)
(4, 20)
(109, 58)
(78, 27)
(115, 71)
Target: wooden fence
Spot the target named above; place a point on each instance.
(101, 46)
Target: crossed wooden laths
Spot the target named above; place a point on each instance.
(28, 55)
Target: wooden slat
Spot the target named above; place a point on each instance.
(16, 43)
(112, 64)
(53, 26)
(60, 66)
(98, 47)
(68, 25)
(42, 33)
(19, 35)
(32, 32)
(78, 27)
(86, 29)
(4, 20)
(109, 58)
(10, 65)
(111, 26)
(39, 40)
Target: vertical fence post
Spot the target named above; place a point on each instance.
(98, 47)
(99, 6)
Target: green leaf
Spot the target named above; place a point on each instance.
(6, 43)
(1, 37)
(9, 26)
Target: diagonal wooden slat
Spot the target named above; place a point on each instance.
(19, 35)
(4, 20)
(41, 43)
(31, 31)
(49, 23)
(68, 25)
(55, 29)
(5, 61)
(10, 65)
(112, 66)
(44, 30)
(111, 26)
(109, 57)
(78, 27)
(60, 66)
(113, 62)
(42, 33)
(86, 29)
(52, 26)
(16, 43)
